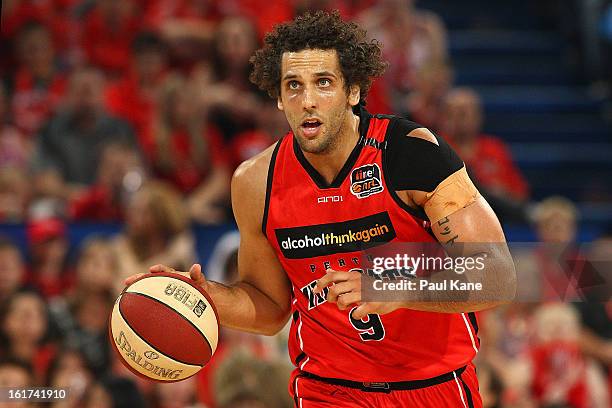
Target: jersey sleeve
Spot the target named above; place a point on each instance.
(416, 164)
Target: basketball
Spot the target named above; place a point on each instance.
(164, 327)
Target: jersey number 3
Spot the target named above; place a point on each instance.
(370, 328)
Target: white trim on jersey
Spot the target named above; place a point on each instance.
(459, 388)
(296, 392)
(467, 326)
(299, 333)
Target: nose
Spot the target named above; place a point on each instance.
(309, 100)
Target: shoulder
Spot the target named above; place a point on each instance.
(249, 186)
(252, 174)
(417, 158)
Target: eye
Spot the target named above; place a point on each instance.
(324, 82)
(293, 84)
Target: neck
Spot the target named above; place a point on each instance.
(329, 163)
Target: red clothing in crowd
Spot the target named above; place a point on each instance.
(186, 175)
(109, 47)
(265, 15)
(50, 287)
(493, 167)
(53, 14)
(97, 203)
(559, 367)
(33, 103)
(126, 100)
(161, 11)
(247, 144)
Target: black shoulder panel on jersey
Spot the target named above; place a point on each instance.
(414, 163)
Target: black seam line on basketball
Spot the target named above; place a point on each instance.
(468, 393)
(149, 344)
(390, 187)
(187, 320)
(264, 220)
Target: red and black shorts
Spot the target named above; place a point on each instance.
(457, 389)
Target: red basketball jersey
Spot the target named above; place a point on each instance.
(303, 219)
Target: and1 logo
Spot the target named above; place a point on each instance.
(366, 180)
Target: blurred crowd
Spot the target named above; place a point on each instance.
(138, 111)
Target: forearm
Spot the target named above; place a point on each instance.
(243, 307)
(452, 292)
(489, 281)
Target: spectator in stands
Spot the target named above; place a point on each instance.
(186, 151)
(245, 381)
(177, 394)
(69, 370)
(509, 331)
(15, 193)
(81, 316)
(69, 146)
(12, 269)
(23, 329)
(596, 333)
(556, 220)
(186, 26)
(97, 396)
(108, 31)
(487, 158)
(15, 374)
(122, 393)
(134, 96)
(271, 125)
(412, 38)
(15, 147)
(490, 386)
(234, 43)
(156, 231)
(38, 86)
(562, 376)
(120, 173)
(424, 105)
(556, 223)
(48, 246)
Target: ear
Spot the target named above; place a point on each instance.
(279, 104)
(354, 93)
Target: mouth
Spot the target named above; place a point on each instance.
(311, 127)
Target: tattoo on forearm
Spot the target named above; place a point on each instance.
(449, 235)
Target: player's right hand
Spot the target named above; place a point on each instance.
(195, 273)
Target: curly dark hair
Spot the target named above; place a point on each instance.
(360, 59)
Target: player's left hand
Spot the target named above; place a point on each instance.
(345, 291)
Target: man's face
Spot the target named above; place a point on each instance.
(462, 115)
(11, 270)
(86, 91)
(314, 98)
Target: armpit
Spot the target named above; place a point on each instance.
(454, 193)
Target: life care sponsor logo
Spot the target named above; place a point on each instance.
(339, 237)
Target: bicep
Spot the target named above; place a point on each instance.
(476, 223)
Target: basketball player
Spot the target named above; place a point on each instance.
(342, 170)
